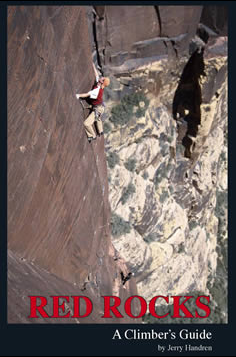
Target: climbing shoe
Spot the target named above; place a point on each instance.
(91, 139)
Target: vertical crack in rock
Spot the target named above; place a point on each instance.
(188, 99)
(174, 48)
(95, 38)
(159, 19)
(100, 33)
(100, 11)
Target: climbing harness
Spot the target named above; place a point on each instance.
(98, 112)
(84, 107)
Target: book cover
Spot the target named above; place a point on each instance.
(124, 237)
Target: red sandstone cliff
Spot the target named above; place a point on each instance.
(58, 210)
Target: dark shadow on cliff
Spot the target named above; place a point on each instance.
(188, 99)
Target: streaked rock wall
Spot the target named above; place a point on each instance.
(58, 209)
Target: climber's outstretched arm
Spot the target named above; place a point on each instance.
(82, 95)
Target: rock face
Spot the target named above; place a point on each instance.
(58, 209)
(163, 199)
(215, 18)
(128, 34)
(167, 155)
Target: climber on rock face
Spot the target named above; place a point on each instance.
(96, 99)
